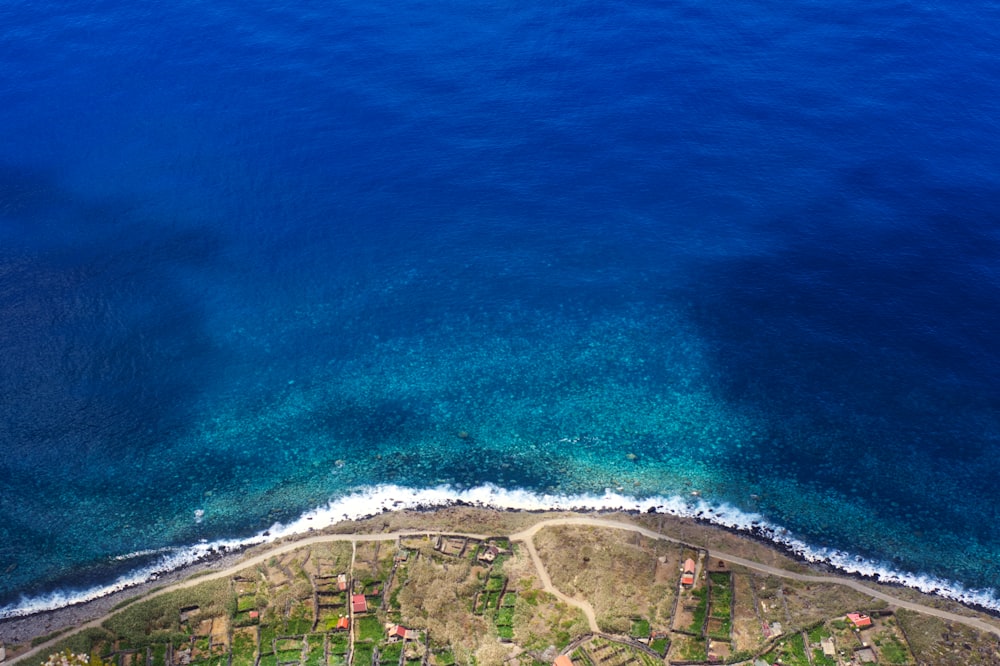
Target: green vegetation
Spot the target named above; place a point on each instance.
(719, 628)
(391, 653)
(339, 643)
(791, 651)
(243, 649)
(505, 616)
(692, 648)
(494, 583)
(722, 595)
(315, 651)
(700, 611)
(363, 654)
(369, 628)
(159, 655)
(48, 637)
(891, 649)
(818, 633)
(444, 658)
(640, 628)
(466, 606)
(820, 659)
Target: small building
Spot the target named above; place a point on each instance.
(687, 575)
(397, 632)
(488, 553)
(343, 624)
(342, 582)
(254, 615)
(563, 660)
(859, 620)
(829, 649)
(188, 612)
(359, 604)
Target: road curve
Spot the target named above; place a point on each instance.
(526, 536)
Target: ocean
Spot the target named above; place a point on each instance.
(267, 265)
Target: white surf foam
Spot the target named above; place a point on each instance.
(378, 499)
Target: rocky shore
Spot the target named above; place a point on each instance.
(18, 632)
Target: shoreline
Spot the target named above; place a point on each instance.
(21, 631)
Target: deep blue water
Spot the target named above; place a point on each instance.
(254, 256)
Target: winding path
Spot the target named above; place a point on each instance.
(527, 537)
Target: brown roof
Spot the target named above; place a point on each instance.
(359, 604)
(689, 565)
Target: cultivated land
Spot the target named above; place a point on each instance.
(464, 586)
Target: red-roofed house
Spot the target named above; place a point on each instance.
(562, 660)
(399, 632)
(342, 582)
(343, 623)
(359, 604)
(687, 577)
(859, 620)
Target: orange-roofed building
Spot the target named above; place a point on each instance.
(398, 631)
(342, 582)
(687, 577)
(859, 620)
(563, 660)
(359, 604)
(343, 623)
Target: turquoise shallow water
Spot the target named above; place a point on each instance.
(257, 259)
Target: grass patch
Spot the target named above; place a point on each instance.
(494, 583)
(369, 628)
(700, 611)
(820, 659)
(391, 653)
(691, 648)
(791, 651)
(818, 633)
(339, 643)
(892, 650)
(243, 649)
(505, 616)
(719, 628)
(660, 645)
(363, 654)
(722, 595)
(443, 658)
(138, 622)
(640, 628)
(160, 655)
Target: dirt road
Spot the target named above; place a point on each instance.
(526, 536)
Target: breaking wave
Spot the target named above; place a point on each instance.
(378, 499)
